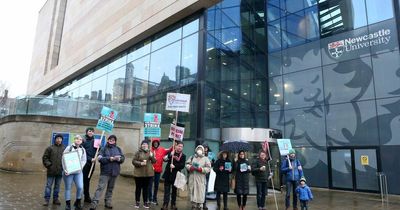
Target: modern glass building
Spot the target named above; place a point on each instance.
(324, 72)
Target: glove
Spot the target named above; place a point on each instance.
(221, 168)
(192, 168)
(199, 170)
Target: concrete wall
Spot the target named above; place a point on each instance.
(94, 31)
(23, 140)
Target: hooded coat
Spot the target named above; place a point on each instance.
(197, 180)
(146, 170)
(52, 159)
(222, 179)
(159, 153)
(108, 167)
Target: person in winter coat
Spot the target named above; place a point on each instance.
(110, 158)
(211, 156)
(175, 162)
(304, 193)
(222, 168)
(159, 153)
(52, 160)
(198, 166)
(241, 170)
(262, 173)
(76, 177)
(142, 161)
(292, 168)
(88, 144)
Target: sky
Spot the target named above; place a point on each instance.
(18, 21)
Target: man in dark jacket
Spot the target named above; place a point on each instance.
(88, 144)
(262, 173)
(110, 158)
(52, 158)
(293, 170)
(169, 175)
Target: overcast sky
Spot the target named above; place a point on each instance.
(18, 26)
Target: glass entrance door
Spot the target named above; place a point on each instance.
(353, 169)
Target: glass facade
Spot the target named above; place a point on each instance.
(334, 85)
(325, 72)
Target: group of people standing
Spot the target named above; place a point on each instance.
(148, 169)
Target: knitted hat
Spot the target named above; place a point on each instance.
(291, 151)
(112, 137)
(303, 179)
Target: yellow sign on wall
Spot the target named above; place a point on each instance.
(364, 160)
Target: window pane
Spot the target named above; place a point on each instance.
(137, 75)
(379, 10)
(190, 28)
(188, 70)
(99, 88)
(116, 85)
(164, 66)
(387, 74)
(100, 71)
(85, 91)
(302, 57)
(165, 39)
(139, 51)
(389, 115)
(304, 89)
(352, 124)
(117, 62)
(275, 93)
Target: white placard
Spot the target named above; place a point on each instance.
(177, 132)
(178, 102)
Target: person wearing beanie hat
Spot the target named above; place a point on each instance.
(51, 159)
(198, 166)
(142, 161)
(88, 144)
(304, 193)
(291, 166)
(110, 158)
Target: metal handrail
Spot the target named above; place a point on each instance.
(383, 187)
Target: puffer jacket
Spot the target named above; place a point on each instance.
(159, 154)
(52, 159)
(293, 174)
(305, 193)
(140, 170)
(108, 167)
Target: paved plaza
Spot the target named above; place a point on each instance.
(25, 191)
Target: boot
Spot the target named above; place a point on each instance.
(46, 203)
(295, 208)
(67, 205)
(173, 207)
(77, 204)
(165, 207)
(56, 201)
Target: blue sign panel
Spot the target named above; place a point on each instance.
(152, 125)
(106, 121)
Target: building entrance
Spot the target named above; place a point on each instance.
(352, 168)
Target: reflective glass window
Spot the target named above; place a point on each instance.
(275, 93)
(85, 91)
(99, 88)
(164, 66)
(116, 85)
(230, 3)
(379, 10)
(301, 57)
(348, 81)
(389, 115)
(100, 71)
(352, 124)
(190, 28)
(166, 38)
(139, 51)
(117, 62)
(233, 13)
(188, 68)
(304, 89)
(387, 74)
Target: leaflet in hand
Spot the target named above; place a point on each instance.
(243, 167)
(228, 166)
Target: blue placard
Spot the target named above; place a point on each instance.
(106, 121)
(228, 166)
(152, 125)
(284, 146)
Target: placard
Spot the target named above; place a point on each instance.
(284, 146)
(72, 162)
(152, 125)
(178, 102)
(177, 132)
(106, 121)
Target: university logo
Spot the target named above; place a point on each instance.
(171, 99)
(336, 49)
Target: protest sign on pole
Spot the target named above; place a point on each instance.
(152, 125)
(179, 103)
(106, 124)
(284, 146)
(176, 132)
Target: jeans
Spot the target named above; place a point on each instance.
(103, 181)
(49, 183)
(303, 205)
(86, 180)
(291, 188)
(167, 194)
(78, 180)
(156, 181)
(262, 191)
(142, 185)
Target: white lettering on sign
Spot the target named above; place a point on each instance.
(337, 48)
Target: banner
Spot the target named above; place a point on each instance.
(177, 132)
(284, 146)
(106, 121)
(152, 125)
(178, 102)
